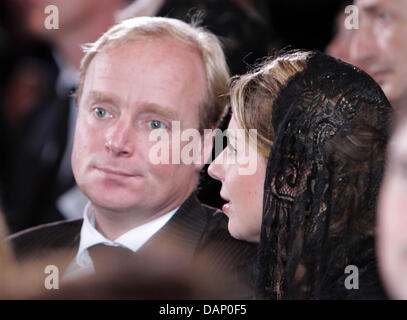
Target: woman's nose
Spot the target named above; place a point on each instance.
(216, 169)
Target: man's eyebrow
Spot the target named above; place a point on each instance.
(101, 96)
(158, 109)
(371, 8)
(148, 107)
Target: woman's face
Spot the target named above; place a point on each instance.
(243, 192)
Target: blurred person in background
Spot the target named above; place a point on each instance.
(379, 46)
(25, 78)
(392, 210)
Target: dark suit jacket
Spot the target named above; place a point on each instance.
(196, 229)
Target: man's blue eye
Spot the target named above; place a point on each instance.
(384, 15)
(155, 124)
(102, 113)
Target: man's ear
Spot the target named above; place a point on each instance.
(207, 138)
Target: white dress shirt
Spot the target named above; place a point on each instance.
(133, 239)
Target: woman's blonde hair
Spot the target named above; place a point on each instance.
(253, 95)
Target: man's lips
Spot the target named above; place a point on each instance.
(115, 172)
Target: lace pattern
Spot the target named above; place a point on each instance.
(324, 171)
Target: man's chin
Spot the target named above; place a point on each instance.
(104, 205)
(114, 201)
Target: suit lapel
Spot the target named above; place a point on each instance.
(183, 232)
(71, 249)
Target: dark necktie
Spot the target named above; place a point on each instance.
(106, 257)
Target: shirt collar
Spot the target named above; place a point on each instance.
(132, 239)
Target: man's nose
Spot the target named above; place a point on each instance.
(363, 46)
(120, 139)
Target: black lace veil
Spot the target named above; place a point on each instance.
(324, 171)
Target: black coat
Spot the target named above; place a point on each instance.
(195, 229)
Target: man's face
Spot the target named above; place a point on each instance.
(380, 45)
(392, 217)
(128, 92)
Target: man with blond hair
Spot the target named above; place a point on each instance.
(143, 75)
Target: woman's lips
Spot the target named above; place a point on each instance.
(226, 207)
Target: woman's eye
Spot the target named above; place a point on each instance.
(155, 124)
(102, 113)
